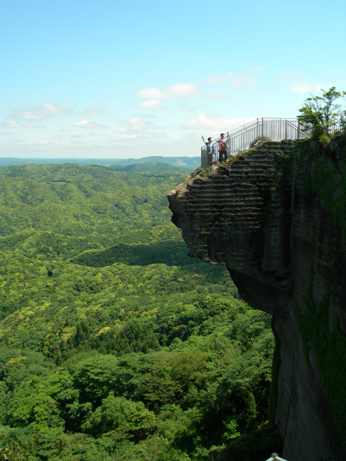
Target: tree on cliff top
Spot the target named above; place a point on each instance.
(322, 117)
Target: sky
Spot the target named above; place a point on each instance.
(111, 79)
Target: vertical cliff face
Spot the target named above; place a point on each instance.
(275, 217)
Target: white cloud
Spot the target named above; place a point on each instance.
(151, 104)
(216, 124)
(129, 136)
(288, 75)
(217, 96)
(290, 80)
(137, 123)
(13, 124)
(44, 111)
(187, 90)
(124, 136)
(97, 133)
(176, 91)
(189, 108)
(58, 143)
(301, 87)
(95, 110)
(152, 93)
(70, 136)
(245, 80)
(220, 78)
(134, 124)
(89, 124)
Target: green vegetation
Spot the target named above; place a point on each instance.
(236, 157)
(322, 118)
(114, 344)
(259, 140)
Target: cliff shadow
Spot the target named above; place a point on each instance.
(169, 252)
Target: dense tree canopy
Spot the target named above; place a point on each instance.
(114, 344)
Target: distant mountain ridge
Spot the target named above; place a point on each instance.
(190, 162)
(153, 168)
(178, 161)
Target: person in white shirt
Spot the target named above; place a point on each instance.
(223, 147)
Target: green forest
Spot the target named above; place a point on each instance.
(116, 345)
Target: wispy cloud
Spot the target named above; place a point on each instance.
(70, 136)
(220, 78)
(188, 108)
(176, 91)
(129, 136)
(95, 110)
(124, 136)
(303, 87)
(290, 80)
(216, 124)
(14, 124)
(151, 104)
(133, 124)
(42, 112)
(58, 143)
(217, 96)
(245, 80)
(288, 75)
(90, 124)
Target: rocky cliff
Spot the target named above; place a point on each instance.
(275, 216)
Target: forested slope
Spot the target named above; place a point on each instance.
(115, 345)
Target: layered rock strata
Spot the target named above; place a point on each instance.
(275, 216)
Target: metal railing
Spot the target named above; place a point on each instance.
(260, 129)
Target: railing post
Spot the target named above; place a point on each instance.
(229, 145)
(298, 129)
(204, 157)
(262, 129)
(285, 129)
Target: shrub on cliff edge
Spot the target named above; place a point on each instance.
(322, 117)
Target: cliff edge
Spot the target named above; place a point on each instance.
(276, 217)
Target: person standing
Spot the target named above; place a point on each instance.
(223, 147)
(210, 150)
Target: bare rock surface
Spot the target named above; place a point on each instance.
(275, 217)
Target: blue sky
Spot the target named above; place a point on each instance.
(106, 79)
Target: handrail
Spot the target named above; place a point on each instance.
(245, 137)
